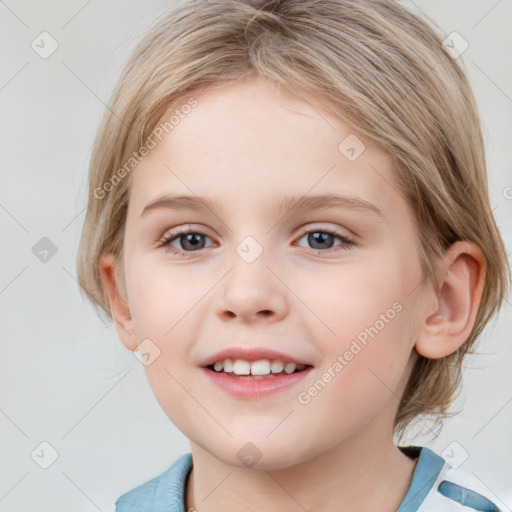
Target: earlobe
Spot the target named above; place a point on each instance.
(118, 306)
(461, 286)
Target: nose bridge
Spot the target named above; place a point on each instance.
(251, 288)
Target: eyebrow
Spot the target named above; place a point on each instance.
(289, 203)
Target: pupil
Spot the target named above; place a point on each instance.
(319, 237)
(191, 238)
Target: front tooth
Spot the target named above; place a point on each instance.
(290, 367)
(261, 367)
(241, 367)
(277, 366)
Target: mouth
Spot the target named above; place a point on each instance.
(244, 385)
(252, 373)
(257, 370)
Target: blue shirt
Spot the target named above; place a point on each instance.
(435, 487)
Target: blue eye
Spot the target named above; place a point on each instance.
(192, 241)
(189, 240)
(318, 238)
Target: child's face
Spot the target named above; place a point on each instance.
(247, 148)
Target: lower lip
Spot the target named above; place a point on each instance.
(253, 389)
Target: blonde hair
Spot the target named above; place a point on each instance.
(376, 65)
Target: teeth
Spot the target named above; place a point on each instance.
(277, 366)
(241, 367)
(290, 367)
(260, 367)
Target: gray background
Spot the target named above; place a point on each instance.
(65, 378)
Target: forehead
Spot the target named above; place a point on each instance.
(248, 141)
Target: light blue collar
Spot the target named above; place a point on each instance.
(169, 494)
(425, 474)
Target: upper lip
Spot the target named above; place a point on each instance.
(251, 354)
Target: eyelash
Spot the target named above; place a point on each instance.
(346, 245)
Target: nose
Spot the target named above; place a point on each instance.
(252, 292)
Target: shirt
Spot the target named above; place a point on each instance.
(435, 487)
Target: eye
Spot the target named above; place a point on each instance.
(320, 238)
(188, 240)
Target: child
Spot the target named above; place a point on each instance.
(265, 129)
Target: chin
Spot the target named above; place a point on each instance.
(260, 455)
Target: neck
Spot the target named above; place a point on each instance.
(339, 479)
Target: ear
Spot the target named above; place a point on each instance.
(118, 307)
(461, 282)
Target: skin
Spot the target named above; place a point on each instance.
(248, 145)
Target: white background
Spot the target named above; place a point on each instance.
(65, 378)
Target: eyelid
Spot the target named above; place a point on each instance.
(347, 240)
(319, 226)
(190, 228)
(184, 229)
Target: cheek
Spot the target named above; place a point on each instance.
(355, 298)
(367, 314)
(361, 374)
(160, 296)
